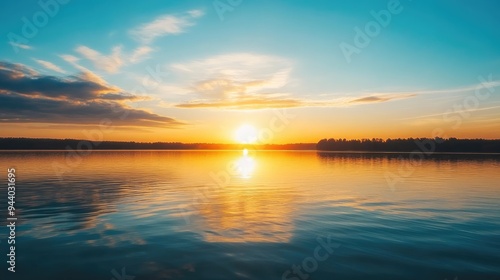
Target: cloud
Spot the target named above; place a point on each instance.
(49, 65)
(22, 46)
(146, 33)
(226, 87)
(484, 88)
(196, 13)
(256, 81)
(233, 74)
(115, 60)
(17, 69)
(140, 54)
(253, 81)
(26, 96)
(246, 103)
(86, 74)
(70, 59)
(380, 98)
(235, 65)
(483, 85)
(109, 63)
(237, 80)
(165, 25)
(268, 101)
(29, 83)
(455, 112)
(20, 109)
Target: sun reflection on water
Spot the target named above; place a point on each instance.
(245, 165)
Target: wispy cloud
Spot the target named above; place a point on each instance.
(50, 66)
(114, 61)
(85, 72)
(253, 81)
(484, 86)
(196, 13)
(22, 46)
(245, 103)
(109, 63)
(146, 34)
(140, 53)
(235, 73)
(464, 89)
(455, 112)
(380, 98)
(267, 101)
(165, 25)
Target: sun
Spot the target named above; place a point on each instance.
(246, 134)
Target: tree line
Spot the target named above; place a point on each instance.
(75, 144)
(450, 145)
(440, 145)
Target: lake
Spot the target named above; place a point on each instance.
(253, 215)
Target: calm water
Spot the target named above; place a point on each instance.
(224, 215)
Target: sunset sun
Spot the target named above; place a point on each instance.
(246, 134)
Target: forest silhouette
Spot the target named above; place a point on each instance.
(439, 145)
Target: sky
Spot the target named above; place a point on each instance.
(271, 71)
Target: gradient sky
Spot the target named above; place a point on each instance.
(298, 71)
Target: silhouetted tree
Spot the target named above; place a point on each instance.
(411, 144)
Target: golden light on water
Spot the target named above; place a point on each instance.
(245, 165)
(252, 197)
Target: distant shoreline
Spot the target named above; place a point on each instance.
(409, 145)
(321, 153)
(74, 144)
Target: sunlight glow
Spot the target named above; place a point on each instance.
(246, 134)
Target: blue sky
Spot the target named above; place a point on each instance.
(227, 63)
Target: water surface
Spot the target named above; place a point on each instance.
(226, 215)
